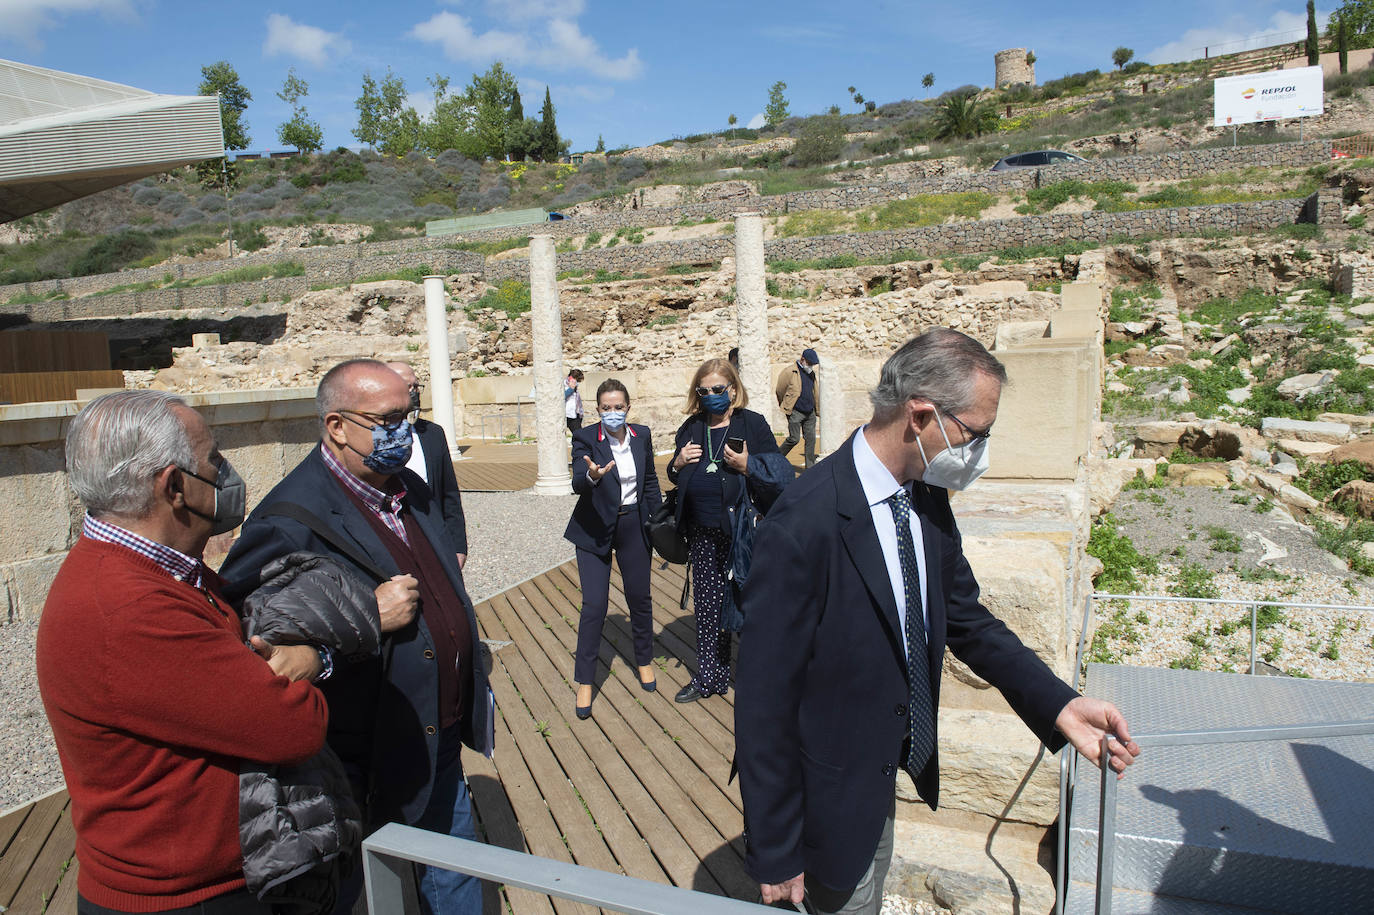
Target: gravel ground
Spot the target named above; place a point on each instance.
(1257, 556)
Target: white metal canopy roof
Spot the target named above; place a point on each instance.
(64, 136)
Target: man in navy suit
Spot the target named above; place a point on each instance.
(430, 461)
(858, 584)
(397, 721)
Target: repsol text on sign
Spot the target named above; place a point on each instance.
(1278, 90)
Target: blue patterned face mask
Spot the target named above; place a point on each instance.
(390, 448)
(716, 404)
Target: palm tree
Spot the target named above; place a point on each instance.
(962, 116)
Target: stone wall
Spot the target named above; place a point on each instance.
(1012, 67)
(332, 263)
(264, 434)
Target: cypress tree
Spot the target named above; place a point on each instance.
(548, 131)
(1313, 53)
(1342, 43)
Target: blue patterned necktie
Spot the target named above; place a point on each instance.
(921, 716)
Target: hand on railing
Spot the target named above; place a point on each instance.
(1086, 721)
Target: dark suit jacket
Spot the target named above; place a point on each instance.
(820, 707)
(442, 482)
(383, 711)
(746, 424)
(594, 516)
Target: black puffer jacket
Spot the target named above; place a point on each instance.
(299, 826)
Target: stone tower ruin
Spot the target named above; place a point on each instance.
(1015, 65)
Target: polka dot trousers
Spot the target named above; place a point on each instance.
(708, 549)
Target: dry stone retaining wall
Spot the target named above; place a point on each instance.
(331, 261)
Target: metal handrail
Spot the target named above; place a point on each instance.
(1106, 819)
(389, 852)
(1068, 762)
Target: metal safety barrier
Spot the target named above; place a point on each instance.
(388, 855)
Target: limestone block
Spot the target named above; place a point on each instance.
(1222, 345)
(1107, 476)
(1272, 427)
(29, 581)
(984, 756)
(200, 341)
(1158, 439)
(1296, 498)
(1299, 387)
(1076, 323)
(1022, 583)
(1360, 424)
(998, 289)
(1081, 296)
(1012, 333)
(38, 503)
(1047, 409)
(1362, 450)
(1211, 474)
(1310, 450)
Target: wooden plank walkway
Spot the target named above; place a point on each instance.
(638, 789)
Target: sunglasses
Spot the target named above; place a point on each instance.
(713, 389)
(388, 421)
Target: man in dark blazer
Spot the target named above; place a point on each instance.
(430, 461)
(398, 721)
(858, 584)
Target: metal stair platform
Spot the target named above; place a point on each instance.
(1273, 826)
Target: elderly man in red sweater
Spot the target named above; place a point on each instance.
(153, 696)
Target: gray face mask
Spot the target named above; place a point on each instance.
(231, 498)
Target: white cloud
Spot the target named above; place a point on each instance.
(535, 9)
(289, 38)
(756, 121)
(562, 46)
(1237, 33)
(22, 20)
(422, 102)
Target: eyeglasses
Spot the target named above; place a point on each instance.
(973, 436)
(389, 421)
(416, 387)
(713, 389)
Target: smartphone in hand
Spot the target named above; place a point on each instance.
(735, 443)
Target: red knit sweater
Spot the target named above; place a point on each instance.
(154, 699)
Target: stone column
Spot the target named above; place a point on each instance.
(833, 421)
(440, 369)
(751, 313)
(547, 331)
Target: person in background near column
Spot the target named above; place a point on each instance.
(153, 697)
(614, 477)
(430, 461)
(858, 583)
(799, 395)
(710, 475)
(733, 358)
(572, 400)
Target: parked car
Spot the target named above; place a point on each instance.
(1037, 159)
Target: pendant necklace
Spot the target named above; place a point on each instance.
(711, 453)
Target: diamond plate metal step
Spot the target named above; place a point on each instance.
(1275, 826)
(1083, 896)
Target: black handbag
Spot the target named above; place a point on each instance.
(663, 532)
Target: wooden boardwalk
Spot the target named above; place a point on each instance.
(639, 789)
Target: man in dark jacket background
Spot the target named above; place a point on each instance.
(430, 461)
(397, 721)
(799, 395)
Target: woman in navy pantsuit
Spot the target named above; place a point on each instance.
(613, 475)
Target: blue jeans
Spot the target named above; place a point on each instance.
(445, 892)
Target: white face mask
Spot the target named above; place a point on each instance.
(954, 468)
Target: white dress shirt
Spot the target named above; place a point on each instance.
(624, 466)
(417, 456)
(879, 485)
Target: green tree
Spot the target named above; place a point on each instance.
(450, 126)
(821, 140)
(489, 97)
(600, 143)
(1030, 58)
(299, 131)
(220, 78)
(524, 137)
(927, 81)
(775, 112)
(398, 126)
(369, 105)
(1314, 54)
(515, 116)
(732, 120)
(1122, 56)
(870, 106)
(960, 116)
(1358, 18)
(549, 142)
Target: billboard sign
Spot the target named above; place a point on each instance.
(1267, 96)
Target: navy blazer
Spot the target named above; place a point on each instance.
(442, 481)
(592, 524)
(821, 683)
(746, 424)
(383, 716)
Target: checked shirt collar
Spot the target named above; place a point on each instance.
(173, 562)
(386, 506)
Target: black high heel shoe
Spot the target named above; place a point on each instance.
(583, 711)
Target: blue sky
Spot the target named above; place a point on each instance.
(631, 72)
